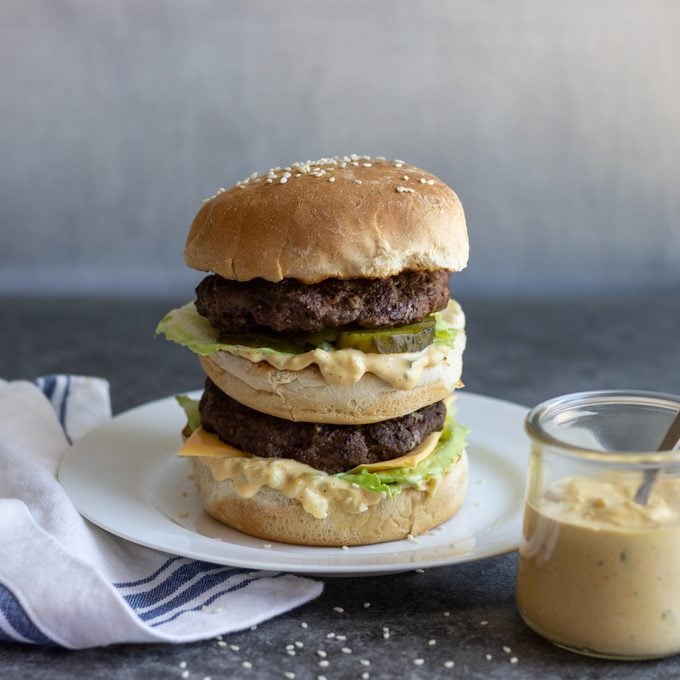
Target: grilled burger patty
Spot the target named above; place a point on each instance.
(235, 306)
(331, 448)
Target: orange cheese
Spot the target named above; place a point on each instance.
(207, 445)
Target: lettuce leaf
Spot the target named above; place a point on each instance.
(190, 407)
(392, 482)
(187, 327)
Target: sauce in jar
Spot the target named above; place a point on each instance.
(599, 573)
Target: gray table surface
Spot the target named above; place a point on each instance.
(520, 350)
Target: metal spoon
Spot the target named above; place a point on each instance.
(669, 442)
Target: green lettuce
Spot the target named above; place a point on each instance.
(393, 481)
(187, 327)
(190, 407)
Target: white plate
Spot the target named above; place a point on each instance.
(125, 477)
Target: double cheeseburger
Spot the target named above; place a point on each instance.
(331, 348)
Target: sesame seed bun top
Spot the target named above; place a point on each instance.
(343, 217)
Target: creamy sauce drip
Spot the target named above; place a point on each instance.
(316, 491)
(600, 573)
(347, 366)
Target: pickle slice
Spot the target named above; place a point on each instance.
(411, 338)
(256, 340)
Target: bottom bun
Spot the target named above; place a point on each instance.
(271, 516)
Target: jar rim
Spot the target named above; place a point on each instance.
(552, 407)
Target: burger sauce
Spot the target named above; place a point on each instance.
(599, 573)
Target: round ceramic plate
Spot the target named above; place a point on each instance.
(126, 477)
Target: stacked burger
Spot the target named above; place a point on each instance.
(331, 348)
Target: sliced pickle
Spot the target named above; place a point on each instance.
(411, 338)
(261, 341)
(322, 338)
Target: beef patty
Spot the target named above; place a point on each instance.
(289, 305)
(331, 448)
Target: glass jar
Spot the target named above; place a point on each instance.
(599, 568)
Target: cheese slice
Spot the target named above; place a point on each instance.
(208, 445)
(410, 460)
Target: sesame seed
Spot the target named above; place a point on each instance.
(207, 677)
(346, 650)
(323, 663)
(221, 643)
(367, 605)
(358, 181)
(431, 643)
(365, 675)
(283, 180)
(386, 629)
(182, 664)
(430, 182)
(266, 546)
(447, 613)
(290, 652)
(380, 158)
(320, 652)
(340, 610)
(483, 623)
(488, 657)
(185, 674)
(299, 644)
(364, 662)
(506, 649)
(418, 662)
(513, 659)
(398, 165)
(448, 664)
(234, 648)
(252, 175)
(355, 163)
(354, 157)
(330, 636)
(367, 165)
(253, 627)
(247, 664)
(405, 178)
(423, 180)
(403, 190)
(240, 186)
(398, 160)
(290, 646)
(341, 637)
(320, 677)
(386, 635)
(303, 625)
(288, 674)
(331, 179)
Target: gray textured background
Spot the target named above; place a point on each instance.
(557, 123)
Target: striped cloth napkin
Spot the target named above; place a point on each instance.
(65, 582)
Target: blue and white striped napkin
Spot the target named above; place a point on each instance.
(65, 582)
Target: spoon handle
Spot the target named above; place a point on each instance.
(668, 443)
